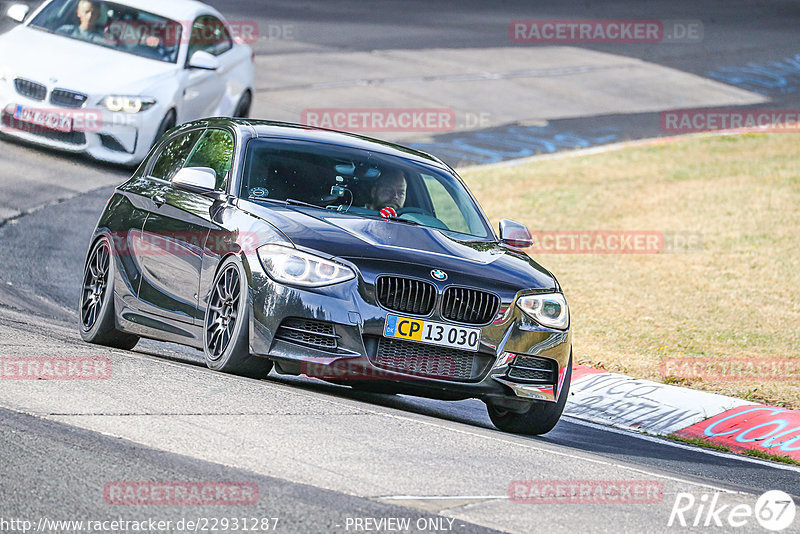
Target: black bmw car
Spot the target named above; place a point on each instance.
(329, 255)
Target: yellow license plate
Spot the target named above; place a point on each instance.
(431, 332)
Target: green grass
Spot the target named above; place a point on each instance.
(736, 296)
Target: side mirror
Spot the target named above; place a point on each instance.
(201, 180)
(18, 12)
(515, 234)
(203, 61)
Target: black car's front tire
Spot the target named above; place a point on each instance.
(98, 324)
(226, 345)
(540, 418)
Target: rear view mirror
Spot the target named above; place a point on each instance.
(201, 180)
(515, 234)
(18, 12)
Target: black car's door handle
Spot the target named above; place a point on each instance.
(159, 199)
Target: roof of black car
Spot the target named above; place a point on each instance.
(287, 130)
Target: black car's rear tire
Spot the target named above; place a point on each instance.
(226, 345)
(540, 418)
(98, 324)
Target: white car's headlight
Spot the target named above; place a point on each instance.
(548, 309)
(294, 267)
(128, 104)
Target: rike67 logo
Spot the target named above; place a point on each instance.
(774, 510)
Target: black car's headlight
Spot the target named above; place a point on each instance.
(548, 309)
(294, 267)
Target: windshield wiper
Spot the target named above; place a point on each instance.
(398, 219)
(287, 202)
(293, 202)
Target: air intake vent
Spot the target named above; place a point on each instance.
(32, 90)
(533, 369)
(430, 361)
(308, 332)
(67, 99)
(470, 306)
(405, 295)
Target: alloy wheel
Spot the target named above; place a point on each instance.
(223, 312)
(95, 283)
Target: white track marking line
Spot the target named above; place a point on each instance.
(529, 445)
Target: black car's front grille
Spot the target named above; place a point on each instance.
(533, 369)
(69, 138)
(471, 306)
(67, 99)
(308, 332)
(32, 90)
(430, 361)
(405, 295)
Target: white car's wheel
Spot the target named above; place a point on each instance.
(242, 110)
(167, 123)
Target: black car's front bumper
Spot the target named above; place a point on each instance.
(336, 333)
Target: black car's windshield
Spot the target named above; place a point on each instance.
(359, 182)
(114, 26)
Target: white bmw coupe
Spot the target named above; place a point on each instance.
(109, 78)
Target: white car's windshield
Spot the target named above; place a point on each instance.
(114, 26)
(359, 183)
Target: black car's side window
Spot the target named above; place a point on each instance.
(215, 150)
(209, 34)
(173, 155)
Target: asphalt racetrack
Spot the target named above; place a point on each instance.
(326, 458)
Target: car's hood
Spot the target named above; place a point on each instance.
(365, 240)
(88, 68)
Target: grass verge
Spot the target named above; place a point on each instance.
(724, 448)
(734, 295)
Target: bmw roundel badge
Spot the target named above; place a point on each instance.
(439, 275)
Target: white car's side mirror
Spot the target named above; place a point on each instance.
(18, 12)
(201, 180)
(204, 61)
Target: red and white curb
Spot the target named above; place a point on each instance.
(630, 403)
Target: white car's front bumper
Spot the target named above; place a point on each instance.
(120, 138)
